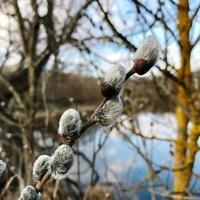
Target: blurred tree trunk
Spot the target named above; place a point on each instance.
(186, 144)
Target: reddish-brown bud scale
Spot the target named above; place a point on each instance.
(146, 55)
(141, 66)
(108, 91)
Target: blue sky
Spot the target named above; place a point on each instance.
(123, 15)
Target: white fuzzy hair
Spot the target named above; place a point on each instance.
(109, 113)
(3, 169)
(61, 161)
(70, 124)
(41, 166)
(115, 76)
(29, 193)
(148, 50)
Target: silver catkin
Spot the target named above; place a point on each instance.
(29, 193)
(148, 50)
(40, 167)
(3, 170)
(61, 161)
(115, 76)
(110, 112)
(70, 124)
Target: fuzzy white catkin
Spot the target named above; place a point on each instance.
(61, 162)
(40, 167)
(148, 50)
(3, 169)
(70, 124)
(115, 76)
(110, 112)
(29, 193)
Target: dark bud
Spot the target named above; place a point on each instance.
(146, 55)
(108, 91)
(141, 66)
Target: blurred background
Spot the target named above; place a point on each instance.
(53, 56)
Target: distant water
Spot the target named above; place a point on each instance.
(122, 166)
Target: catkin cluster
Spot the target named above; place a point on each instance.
(146, 55)
(29, 193)
(112, 89)
(70, 122)
(40, 167)
(3, 169)
(62, 159)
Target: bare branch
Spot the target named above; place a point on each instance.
(21, 27)
(117, 33)
(12, 90)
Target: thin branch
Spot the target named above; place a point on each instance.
(45, 178)
(70, 27)
(196, 41)
(8, 120)
(195, 13)
(168, 74)
(21, 26)
(12, 90)
(115, 31)
(6, 187)
(157, 18)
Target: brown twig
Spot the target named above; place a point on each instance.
(130, 73)
(92, 119)
(45, 178)
(6, 187)
(55, 191)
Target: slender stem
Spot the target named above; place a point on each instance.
(92, 119)
(87, 125)
(7, 185)
(78, 171)
(55, 191)
(45, 178)
(130, 73)
(98, 108)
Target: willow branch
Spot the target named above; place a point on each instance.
(92, 120)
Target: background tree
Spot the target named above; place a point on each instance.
(38, 37)
(185, 37)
